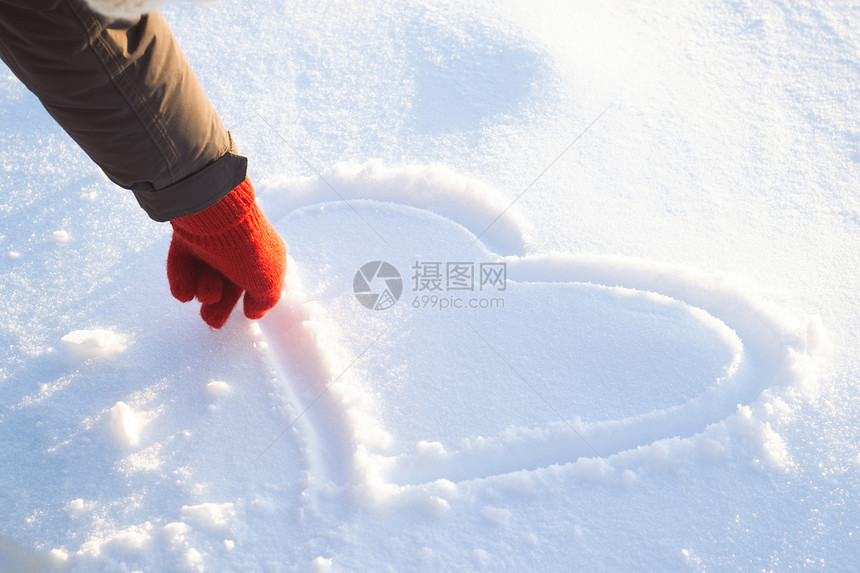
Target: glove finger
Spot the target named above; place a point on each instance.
(216, 314)
(210, 284)
(260, 300)
(257, 305)
(181, 272)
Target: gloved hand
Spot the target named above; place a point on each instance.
(223, 250)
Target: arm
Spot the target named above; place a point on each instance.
(123, 90)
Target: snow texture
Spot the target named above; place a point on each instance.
(626, 318)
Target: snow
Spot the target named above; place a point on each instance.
(664, 379)
(93, 343)
(126, 425)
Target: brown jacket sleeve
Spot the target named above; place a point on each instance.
(123, 90)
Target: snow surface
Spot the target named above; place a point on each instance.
(666, 380)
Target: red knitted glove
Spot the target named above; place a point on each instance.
(223, 250)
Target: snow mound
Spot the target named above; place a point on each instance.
(126, 424)
(96, 343)
(321, 565)
(217, 389)
(212, 517)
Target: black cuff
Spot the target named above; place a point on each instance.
(196, 192)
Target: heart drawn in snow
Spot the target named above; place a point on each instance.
(568, 357)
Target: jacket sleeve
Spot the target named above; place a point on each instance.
(124, 91)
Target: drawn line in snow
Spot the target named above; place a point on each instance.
(323, 179)
(541, 174)
(533, 389)
(319, 396)
(776, 357)
(776, 351)
(770, 352)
